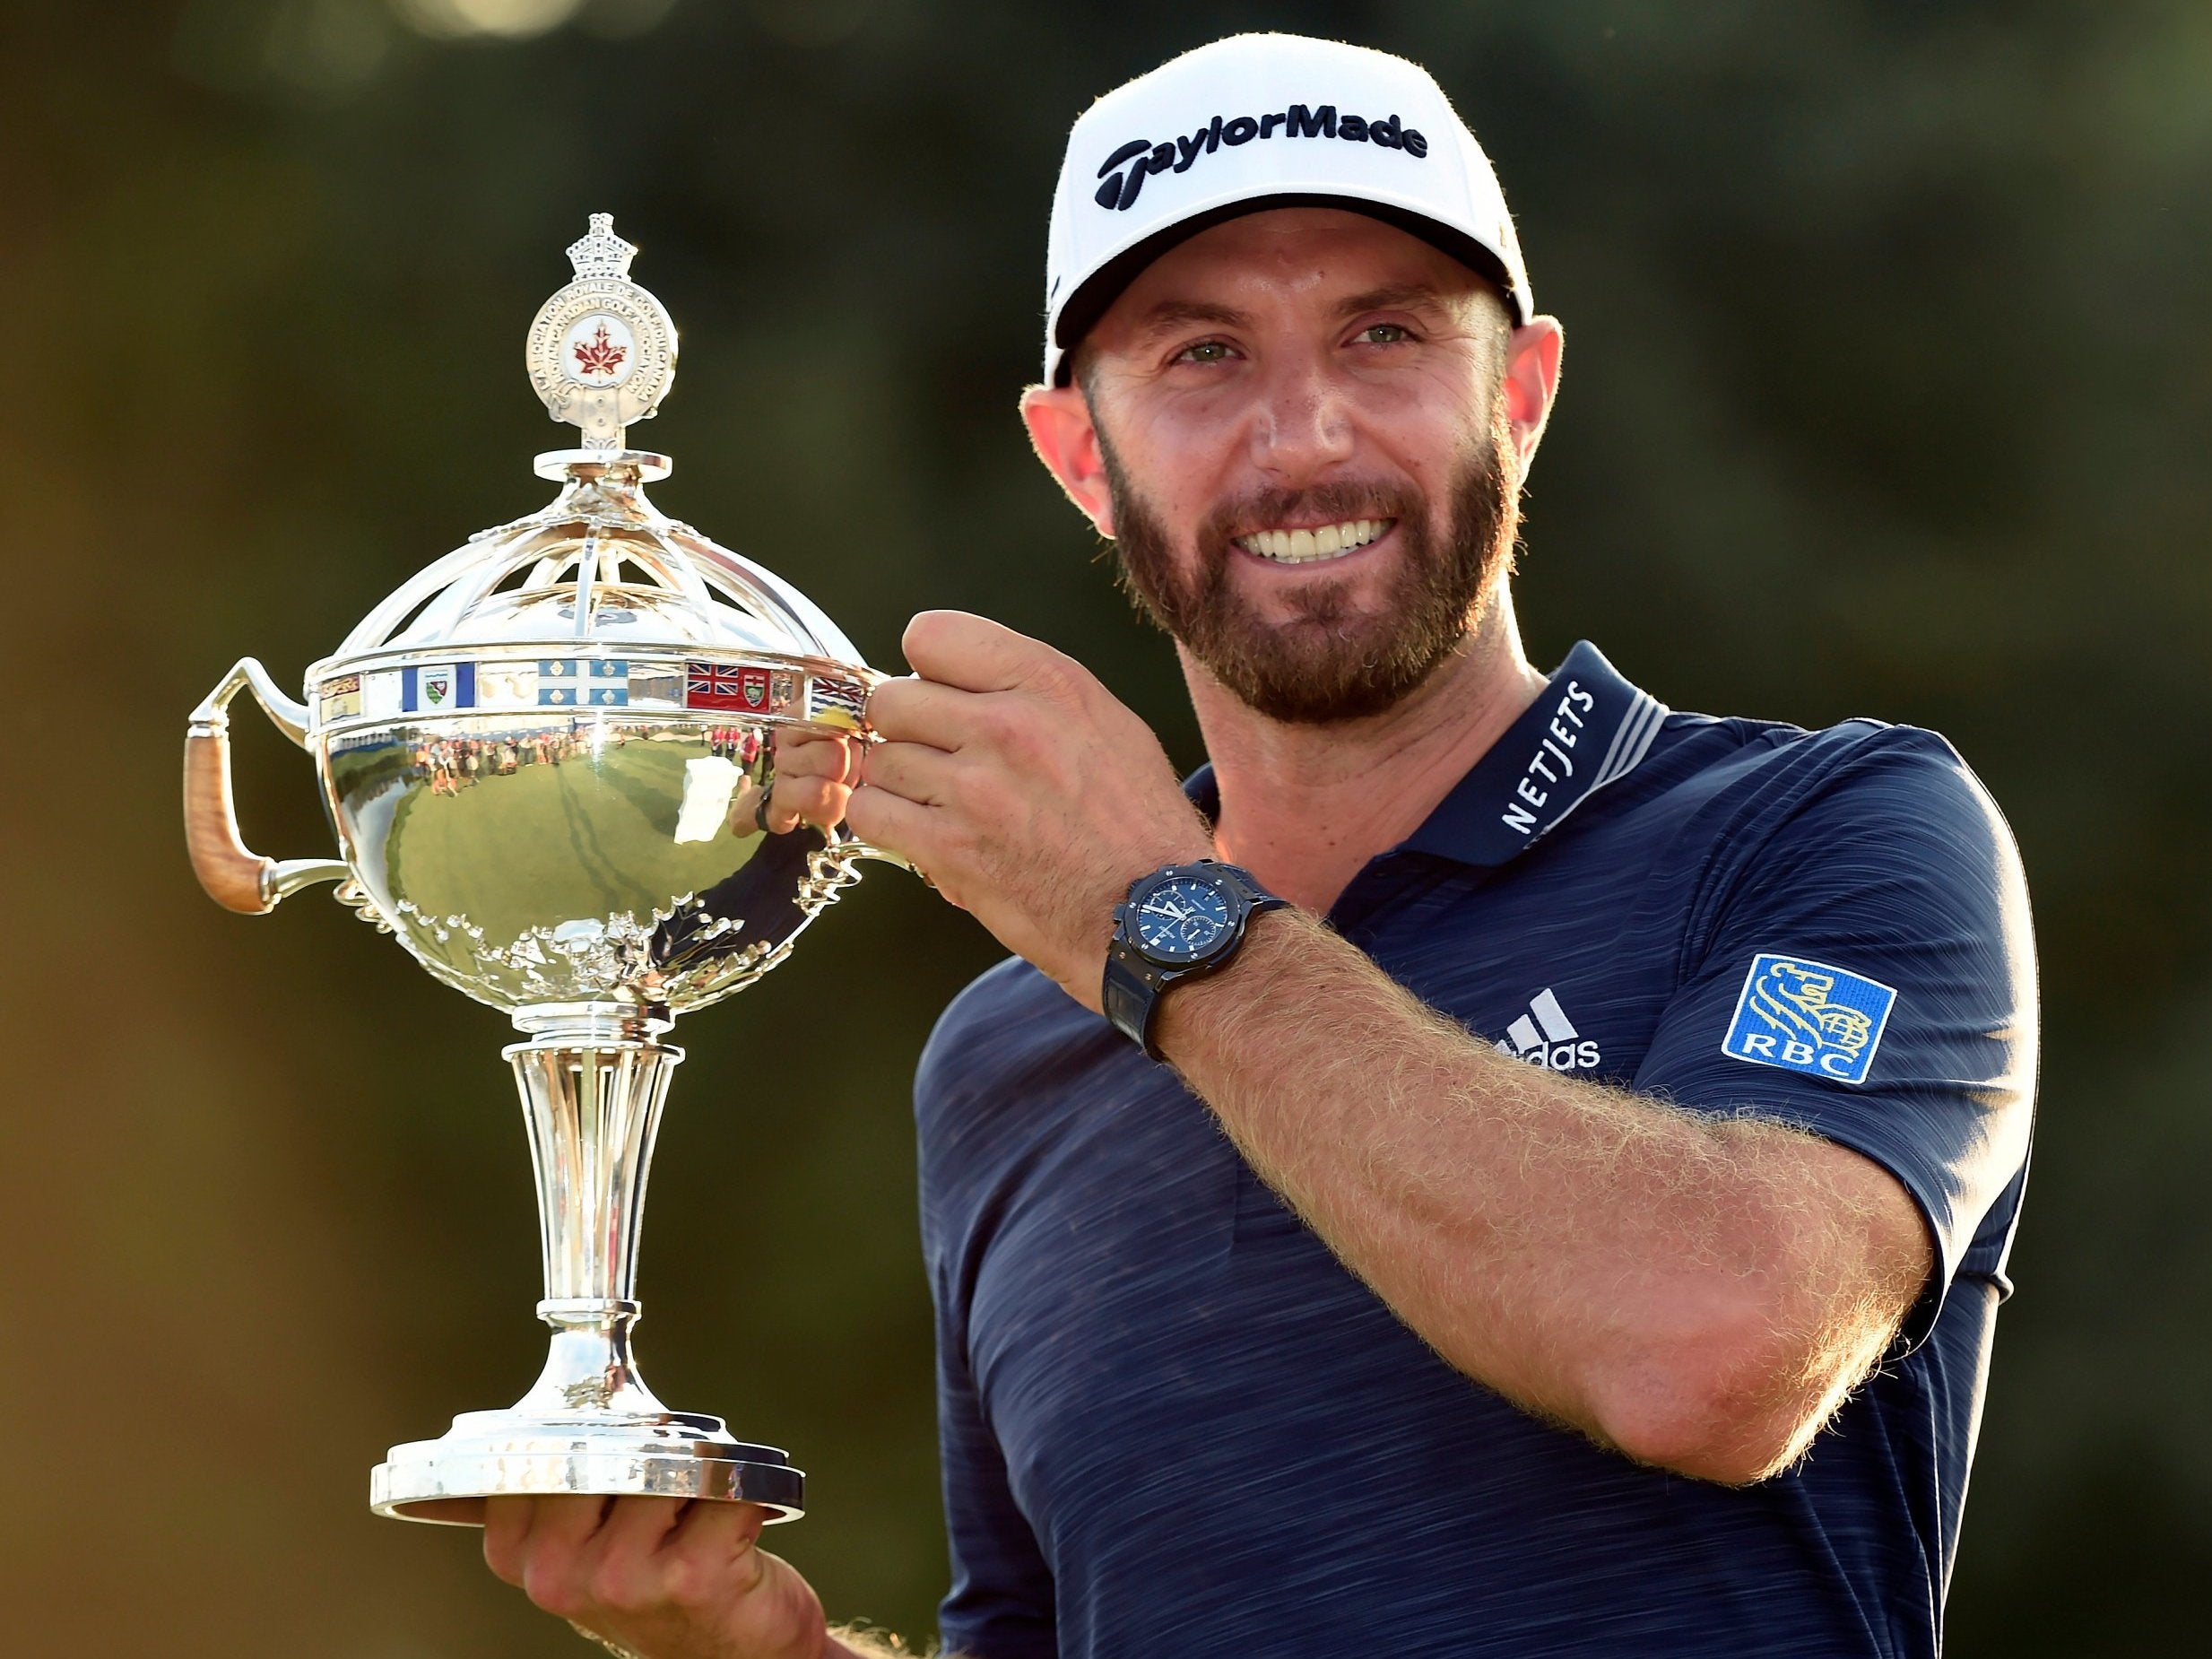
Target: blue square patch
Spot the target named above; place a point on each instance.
(1808, 1017)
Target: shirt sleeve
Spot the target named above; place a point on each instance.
(1000, 1602)
(1861, 967)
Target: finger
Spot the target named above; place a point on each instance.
(813, 754)
(703, 1552)
(806, 800)
(916, 772)
(974, 653)
(565, 1522)
(637, 1526)
(826, 759)
(623, 1567)
(559, 1528)
(923, 711)
(710, 1530)
(506, 1532)
(887, 820)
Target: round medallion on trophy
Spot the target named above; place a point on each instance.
(602, 350)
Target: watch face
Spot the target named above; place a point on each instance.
(1181, 919)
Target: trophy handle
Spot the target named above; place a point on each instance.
(846, 846)
(234, 877)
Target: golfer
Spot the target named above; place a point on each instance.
(1489, 1165)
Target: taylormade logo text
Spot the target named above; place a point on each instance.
(1143, 157)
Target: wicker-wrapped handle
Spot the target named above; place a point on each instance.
(235, 876)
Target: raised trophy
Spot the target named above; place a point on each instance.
(547, 758)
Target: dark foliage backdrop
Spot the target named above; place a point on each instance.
(1888, 394)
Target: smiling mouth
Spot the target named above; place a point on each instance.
(1298, 547)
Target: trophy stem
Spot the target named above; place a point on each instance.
(593, 1110)
(593, 1081)
(592, 1107)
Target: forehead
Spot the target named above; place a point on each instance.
(1288, 260)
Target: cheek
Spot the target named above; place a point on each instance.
(1188, 452)
(1411, 425)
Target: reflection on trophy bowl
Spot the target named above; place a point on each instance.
(465, 833)
(549, 783)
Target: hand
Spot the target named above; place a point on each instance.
(814, 778)
(667, 1578)
(1023, 789)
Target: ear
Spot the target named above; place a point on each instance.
(1066, 440)
(1530, 381)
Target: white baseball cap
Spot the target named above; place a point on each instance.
(1259, 121)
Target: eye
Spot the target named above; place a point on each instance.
(1205, 351)
(1385, 333)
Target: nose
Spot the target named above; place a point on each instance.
(1302, 427)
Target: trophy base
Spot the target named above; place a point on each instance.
(507, 1454)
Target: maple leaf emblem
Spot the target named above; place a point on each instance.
(599, 355)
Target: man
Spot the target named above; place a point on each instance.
(1574, 1221)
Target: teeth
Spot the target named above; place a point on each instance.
(1304, 546)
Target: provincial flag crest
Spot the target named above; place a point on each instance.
(341, 697)
(710, 685)
(563, 682)
(432, 688)
(835, 700)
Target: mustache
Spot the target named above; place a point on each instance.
(1335, 502)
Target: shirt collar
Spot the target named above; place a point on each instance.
(1588, 727)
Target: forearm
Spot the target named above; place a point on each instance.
(1697, 1290)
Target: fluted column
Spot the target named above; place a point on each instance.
(592, 1101)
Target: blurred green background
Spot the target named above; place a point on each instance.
(1888, 392)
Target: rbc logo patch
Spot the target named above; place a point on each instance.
(1808, 1017)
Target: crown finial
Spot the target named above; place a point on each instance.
(599, 252)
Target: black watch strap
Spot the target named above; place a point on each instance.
(1128, 995)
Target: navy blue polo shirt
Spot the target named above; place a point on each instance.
(1173, 1423)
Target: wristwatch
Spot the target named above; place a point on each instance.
(1181, 922)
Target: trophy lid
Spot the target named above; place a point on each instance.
(600, 567)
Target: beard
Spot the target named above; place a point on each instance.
(1330, 662)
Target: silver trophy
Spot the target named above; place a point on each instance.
(547, 758)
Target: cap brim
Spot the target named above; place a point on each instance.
(1095, 295)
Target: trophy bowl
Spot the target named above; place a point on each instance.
(547, 758)
(548, 784)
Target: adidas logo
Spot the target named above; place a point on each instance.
(1546, 1036)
